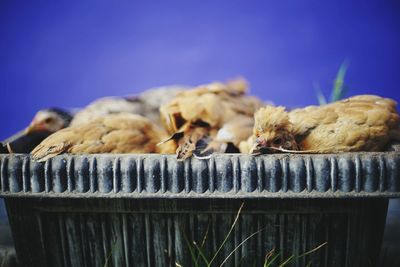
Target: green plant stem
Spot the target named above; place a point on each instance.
(240, 244)
(227, 236)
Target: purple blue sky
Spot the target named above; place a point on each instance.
(67, 54)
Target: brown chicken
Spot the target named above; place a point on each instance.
(146, 104)
(210, 117)
(114, 133)
(359, 123)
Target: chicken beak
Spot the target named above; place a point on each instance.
(256, 149)
(33, 127)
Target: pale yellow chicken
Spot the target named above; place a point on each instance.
(218, 114)
(359, 123)
(114, 133)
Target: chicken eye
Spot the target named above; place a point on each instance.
(48, 120)
(278, 141)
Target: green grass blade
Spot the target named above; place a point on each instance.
(113, 248)
(320, 96)
(240, 244)
(268, 256)
(204, 240)
(338, 85)
(227, 236)
(201, 253)
(270, 262)
(192, 255)
(287, 261)
(312, 250)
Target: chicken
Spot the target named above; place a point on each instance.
(359, 123)
(44, 123)
(209, 117)
(146, 104)
(114, 133)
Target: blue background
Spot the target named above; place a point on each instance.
(67, 54)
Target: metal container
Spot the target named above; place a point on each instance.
(147, 210)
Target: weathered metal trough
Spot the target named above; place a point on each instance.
(146, 210)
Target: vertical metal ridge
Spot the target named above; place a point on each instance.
(105, 172)
(176, 175)
(39, 220)
(37, 176)
(348, 243)
(333, 174)
(309, 174)
(117, 183)
(236, 173)
(273, 174)
(382, 174)
(83, 238)
(345, 174)
(170, 240)
(212, 174)
(4, 175)
(370, 174)
(139, 174)
(188, 174)
(82, 174)
(152, 174)
(125, 237)
(358, 174)
(105, 236)
(15, 174)
(179, 232)
(285, 174)
(71, 174)
(328, 226)
(1, 173)
(322, 173)
(304, 235)
(224, 175)
(200, 177)
(282, 219)
(297, 174)
(93, 181)
(260, 175)
(148, 237)
(164, 174)
(248, 174)
(393, 181)
(48, 176)
(63, 239)
(296, 238)
(59, 175)
(117, 248)
(26, 175)
(73, 240)
(128, 174)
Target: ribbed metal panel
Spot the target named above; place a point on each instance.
(133, 232)
(221, 176)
